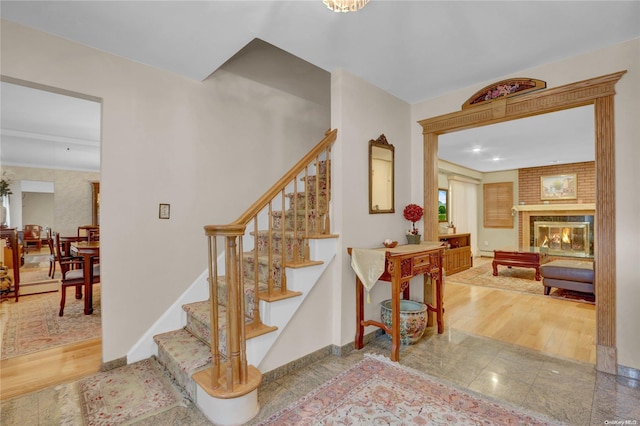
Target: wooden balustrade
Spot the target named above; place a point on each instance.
(230, 376)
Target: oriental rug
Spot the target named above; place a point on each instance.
(514, 279)
(133, 392)
(33, 324)
(378, 391)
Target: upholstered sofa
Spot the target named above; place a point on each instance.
(573, 275)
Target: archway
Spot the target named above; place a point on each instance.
(599, 92)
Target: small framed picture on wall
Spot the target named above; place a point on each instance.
(164, 211)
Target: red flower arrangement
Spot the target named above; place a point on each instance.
(413, 213)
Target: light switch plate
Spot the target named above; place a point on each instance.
(164, 211)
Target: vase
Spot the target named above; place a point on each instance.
(413, 319)
(413, 239)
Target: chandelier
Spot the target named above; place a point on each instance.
(345, 5)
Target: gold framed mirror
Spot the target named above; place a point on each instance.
(381, 176)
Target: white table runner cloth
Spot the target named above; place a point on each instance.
(368, 265)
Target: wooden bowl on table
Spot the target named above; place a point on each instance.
(392, 244)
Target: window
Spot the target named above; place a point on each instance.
(498, 201)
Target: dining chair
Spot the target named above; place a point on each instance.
(89, 232)
(52, 254)
(65, 245)
(72, 275)
(94, 234)
(31, 234)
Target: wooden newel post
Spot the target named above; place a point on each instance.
(235, 369)
(213, 309)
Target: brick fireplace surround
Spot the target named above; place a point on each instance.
(530, 204)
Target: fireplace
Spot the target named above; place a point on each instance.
(563, 238)
(575, 221)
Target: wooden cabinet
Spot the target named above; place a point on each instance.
(457, 256)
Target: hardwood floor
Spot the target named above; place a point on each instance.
(556, 327)
(39, 370)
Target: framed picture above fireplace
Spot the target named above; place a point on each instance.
(558, 187)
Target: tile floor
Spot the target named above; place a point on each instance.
(565, 390)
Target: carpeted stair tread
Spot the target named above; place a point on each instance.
(306, 220)
(199, 318)
(249, 256)
(182, 354)
(264, 270)
(263, 260)
(310, 197)
(277, 242)
(249, 293)
(302, 200)
(278, 234)
(199, 321)
(300, 212)
(311, 180)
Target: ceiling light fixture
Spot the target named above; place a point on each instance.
(345, 5)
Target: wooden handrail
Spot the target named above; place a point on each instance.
(255, 208)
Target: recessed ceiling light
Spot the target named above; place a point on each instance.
(496, 158)
(476, 149)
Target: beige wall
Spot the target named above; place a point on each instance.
(362, 112)
(166, 139)
(37, 209)
(72, 198)
(624, 56)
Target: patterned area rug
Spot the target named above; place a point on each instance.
(378, 391)
(135, 391)
(33, 323)
(514, 279)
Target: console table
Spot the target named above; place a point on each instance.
(401, 264)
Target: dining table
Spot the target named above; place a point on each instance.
(89, 251)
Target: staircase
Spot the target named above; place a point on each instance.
(260, 270)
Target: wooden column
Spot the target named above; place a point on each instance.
(605, 237)
(430, 211)
(431, 187)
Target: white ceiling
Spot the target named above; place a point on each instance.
(48, 130)
(566, 136)
(415, 50)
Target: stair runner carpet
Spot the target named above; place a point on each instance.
(186, 351)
